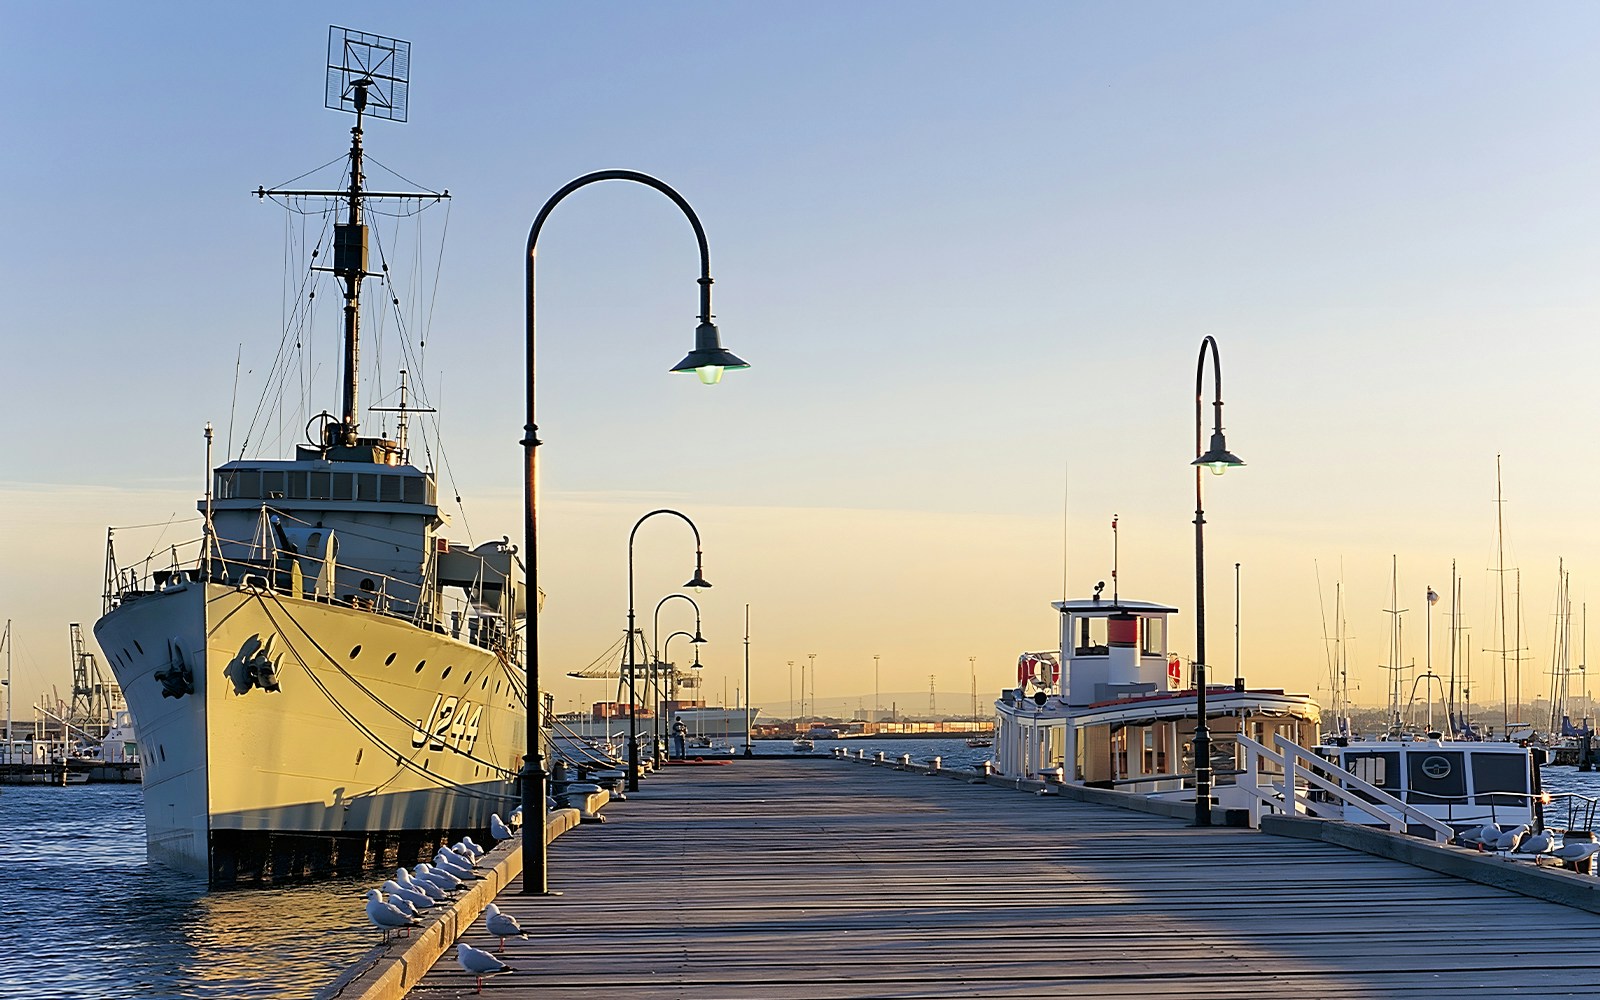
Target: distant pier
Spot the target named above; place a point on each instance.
(817, 877)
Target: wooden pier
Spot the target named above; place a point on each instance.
(824, 878)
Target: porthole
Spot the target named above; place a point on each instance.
(162, 750)
(126, 655)
(355, 652)
(388, 659)
(483, 683)
(467, 679)
(138, 647)
(420, 665)
(446, 672)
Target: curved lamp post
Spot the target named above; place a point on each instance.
(655, 635)
(708, 360)
(666, 646)
(1218, 459)
(695, 581)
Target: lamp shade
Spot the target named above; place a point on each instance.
(698, 580)
(1218, 458)
(709, 359)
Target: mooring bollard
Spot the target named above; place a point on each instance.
(860, 754)
(935, 763)
(905, 760)
(877, 758)
(986, 768)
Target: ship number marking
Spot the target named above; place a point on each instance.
(451, 721)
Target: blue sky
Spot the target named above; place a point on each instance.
(971, 251)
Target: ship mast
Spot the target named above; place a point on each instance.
(367, 75)
(350, 266)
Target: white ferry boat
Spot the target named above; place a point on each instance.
(1110, 708)
(329, 684)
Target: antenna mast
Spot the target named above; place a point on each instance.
(368, 76)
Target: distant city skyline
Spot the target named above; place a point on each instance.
(970, 252)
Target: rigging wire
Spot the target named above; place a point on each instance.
(376, 699)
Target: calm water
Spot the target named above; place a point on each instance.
(84, 915)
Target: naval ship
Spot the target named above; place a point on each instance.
(330, 684)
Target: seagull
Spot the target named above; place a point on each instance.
(1539, 843)
(472, 846)
(1578, 850)
(516, 818)
(1510, 839)
(454, 864)
(386, 916)
(479, 963)
(418, 899)
(498, 829)
(468, 852)
(502, 926)
(427, 887)
(439, 877)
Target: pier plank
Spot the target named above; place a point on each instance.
(785, 879)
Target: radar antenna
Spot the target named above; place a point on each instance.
(368, 74)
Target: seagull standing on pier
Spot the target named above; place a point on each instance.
(386, 916)
(479, 963)
(439, 877)
(418, 899)
(502, 926)
(498, 829)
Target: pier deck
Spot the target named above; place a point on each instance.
(824, 878)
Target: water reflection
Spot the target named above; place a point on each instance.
(94, 919)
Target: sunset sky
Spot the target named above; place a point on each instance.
(971, 251)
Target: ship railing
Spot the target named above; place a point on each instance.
(388, 596)
(1302, 772)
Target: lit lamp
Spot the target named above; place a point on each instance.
(709, 361)
(1218, 459)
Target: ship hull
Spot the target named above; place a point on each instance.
(382, 740)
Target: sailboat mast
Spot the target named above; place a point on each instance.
(1500, 574)
(8, 690)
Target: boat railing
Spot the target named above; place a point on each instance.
(1303, 771)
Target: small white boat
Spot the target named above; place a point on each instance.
(1464, 783)
(804, 744)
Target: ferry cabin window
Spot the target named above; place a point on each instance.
(1500, 779)
(1089, 637)
(1152, 636)
(1436, 777)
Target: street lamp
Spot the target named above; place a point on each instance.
(695, 581)
(709, 361)
(667, 646)
(655, 634)
(1218, 459)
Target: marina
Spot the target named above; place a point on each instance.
(372, 692)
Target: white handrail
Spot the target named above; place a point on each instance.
(1328, 777)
